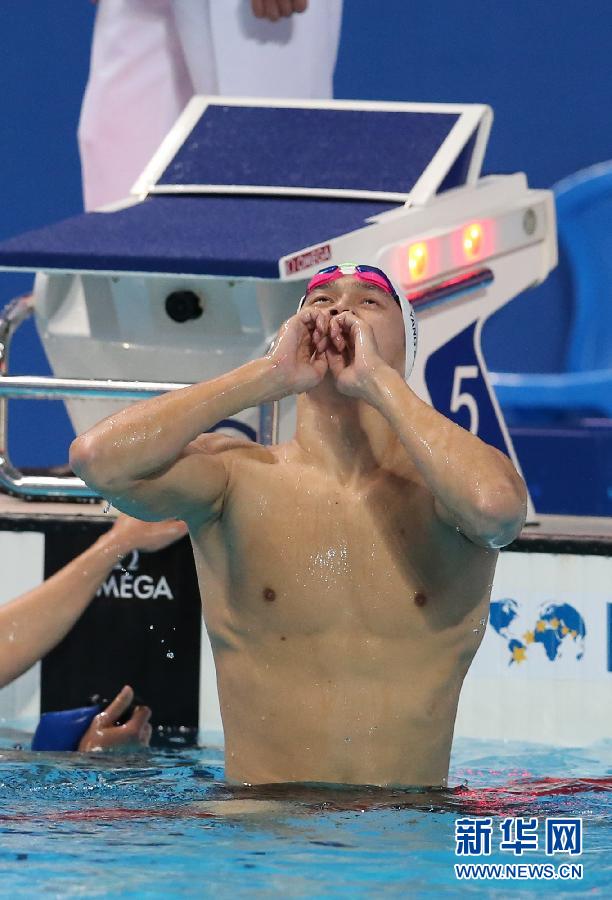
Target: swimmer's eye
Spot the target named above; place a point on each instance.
(321, 300)
(370, 300)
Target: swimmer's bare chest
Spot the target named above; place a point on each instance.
(296, 552)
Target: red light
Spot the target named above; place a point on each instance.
(417, 260)
(473, 239)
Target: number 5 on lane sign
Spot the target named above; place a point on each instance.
(458, 389)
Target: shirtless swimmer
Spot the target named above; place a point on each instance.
(345, 573)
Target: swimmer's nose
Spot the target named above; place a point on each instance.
(333, 312)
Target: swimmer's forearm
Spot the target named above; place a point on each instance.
(474, 482)
(34, 623)
(145, 438)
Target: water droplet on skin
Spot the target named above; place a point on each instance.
(151, 627)
(106, 507)
(170, 654)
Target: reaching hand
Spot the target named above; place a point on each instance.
(133, 534)
(104, 733)
(276, 9)
(352, 354)
(298, 353)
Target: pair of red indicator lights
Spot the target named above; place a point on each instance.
(472, 239)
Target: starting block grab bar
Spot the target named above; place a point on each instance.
(25, 387)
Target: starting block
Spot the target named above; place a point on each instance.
(243, 202)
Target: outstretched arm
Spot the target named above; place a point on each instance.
(141, 458)
(31, 625)
(476, 488)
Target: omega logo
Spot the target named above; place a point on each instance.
(124, 584)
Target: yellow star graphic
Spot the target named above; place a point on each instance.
(540, 625)
(519, 654)
(554, 623)
(529, 637)
(565, 630)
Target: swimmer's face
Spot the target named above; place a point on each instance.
(370, 304)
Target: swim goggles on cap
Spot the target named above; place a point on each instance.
(369, 274)
(375, 276)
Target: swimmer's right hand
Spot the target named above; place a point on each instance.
(105, 734)
(299, 359)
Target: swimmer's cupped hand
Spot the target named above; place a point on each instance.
(352, 355)
(298, 353)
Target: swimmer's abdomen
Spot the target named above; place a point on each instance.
(325, 711)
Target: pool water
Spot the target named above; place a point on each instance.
(126, 826)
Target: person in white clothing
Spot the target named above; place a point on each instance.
(149, 57)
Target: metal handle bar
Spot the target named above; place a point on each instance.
(35, 388)
(28, 387)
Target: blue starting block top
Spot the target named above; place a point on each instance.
(338, 150)
(368, 150)
(206, 235)
(237, 185)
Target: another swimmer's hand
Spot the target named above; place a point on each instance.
(129, 534)
(298, 358)
(105, 734)
(275, 9)
(352, 355)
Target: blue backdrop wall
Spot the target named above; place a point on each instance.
(543, 67)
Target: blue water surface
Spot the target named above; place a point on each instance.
(126, 826)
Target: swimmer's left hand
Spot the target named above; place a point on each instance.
(353, 356)
(105, 734)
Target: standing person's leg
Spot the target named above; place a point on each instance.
(293, 57)
(192, 19)
(138, 84)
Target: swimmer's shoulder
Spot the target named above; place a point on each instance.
(216, 444)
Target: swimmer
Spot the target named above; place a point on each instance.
(345, 574)
(34, 623)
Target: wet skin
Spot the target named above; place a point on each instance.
(345, 575)
(342, 618)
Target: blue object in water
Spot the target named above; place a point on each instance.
(64, 729)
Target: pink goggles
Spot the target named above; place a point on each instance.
(369, 274)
